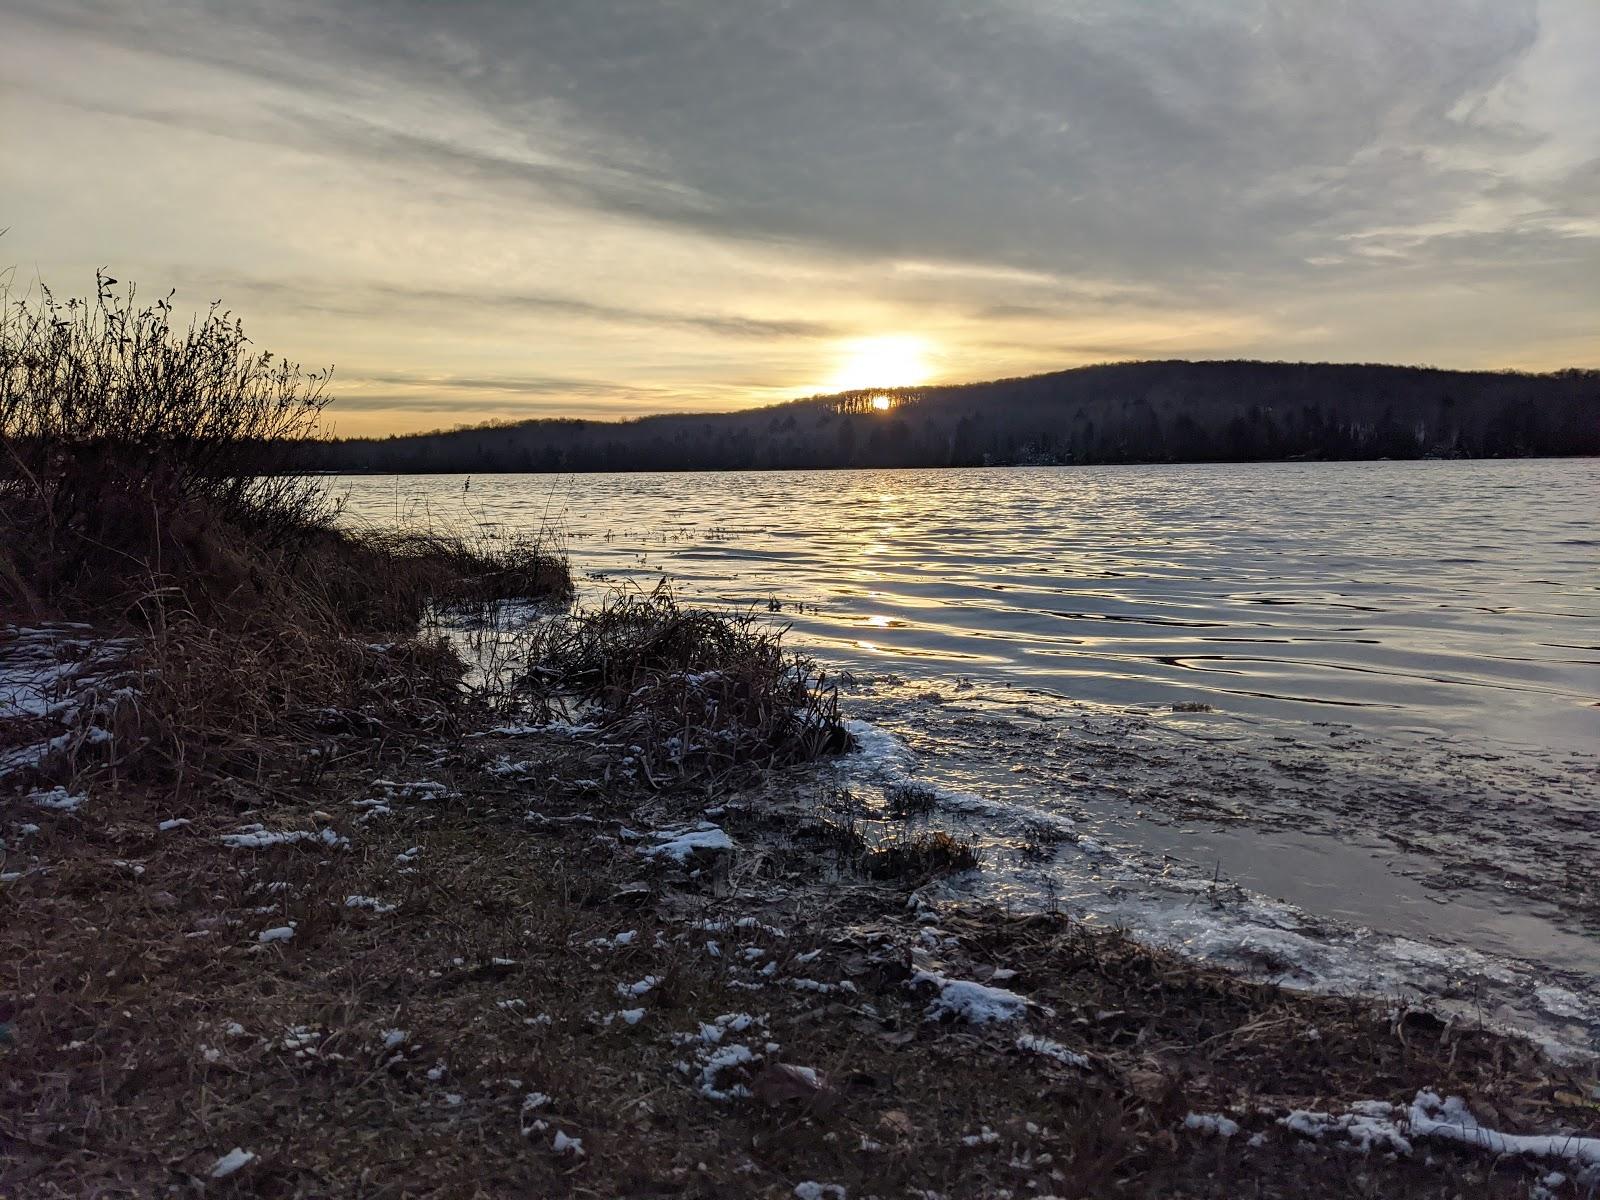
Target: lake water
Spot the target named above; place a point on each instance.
(1398, 663)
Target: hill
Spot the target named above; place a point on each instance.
(1170, 411)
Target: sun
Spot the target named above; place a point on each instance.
(894, 360)
(882, 402)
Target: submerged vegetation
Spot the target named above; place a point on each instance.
(292, 902)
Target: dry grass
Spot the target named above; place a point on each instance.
(125, 1075)
(701, 694)
(904, 800)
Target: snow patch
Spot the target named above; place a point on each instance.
(58, 798)
(1032, 1044)
(681, 845)
(1211, 1123)
(232, 1161)
(966, 1000)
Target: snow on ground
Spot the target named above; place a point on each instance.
(1375, 1125)
(230, 1162)
(723, 1066)
(966, 1000)
(57, 798)
(1033, 1044)
(64, 686)
(626, 938)
(258, 837)
(627, 990)
(681, 844)
(369, 902)
(1451, 1120)
(1211, 1123)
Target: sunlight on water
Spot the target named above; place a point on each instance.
(1461, 596)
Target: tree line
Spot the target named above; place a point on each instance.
(1173, 411)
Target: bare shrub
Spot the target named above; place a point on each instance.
(124, 436)
(140, 489)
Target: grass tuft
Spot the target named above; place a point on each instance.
(699, 693)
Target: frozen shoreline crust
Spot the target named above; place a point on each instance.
(1261, 936)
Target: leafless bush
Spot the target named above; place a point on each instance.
(139, 490)
(121, 431)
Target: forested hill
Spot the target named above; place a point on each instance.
(1128, 412)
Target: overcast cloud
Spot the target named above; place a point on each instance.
(613, 206)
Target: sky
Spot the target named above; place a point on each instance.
(499, 210)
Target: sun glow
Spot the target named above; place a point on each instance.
(898, 360)
(882, 402)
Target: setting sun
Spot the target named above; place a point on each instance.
(893, 361)
(882, 402)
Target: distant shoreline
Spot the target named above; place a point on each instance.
(1147, 412)
(1207, 462)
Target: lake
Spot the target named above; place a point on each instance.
(1347, 712)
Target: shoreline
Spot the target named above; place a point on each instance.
(571, 1011)
(1141, 856)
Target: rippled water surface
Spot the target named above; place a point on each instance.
(1399, 665)
(1437, 594)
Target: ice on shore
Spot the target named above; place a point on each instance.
(1369, 1125)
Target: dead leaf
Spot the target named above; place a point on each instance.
(896, 1121)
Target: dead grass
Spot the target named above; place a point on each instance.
(904, 800)
(920, 856)
(500, 962)
(139, 491)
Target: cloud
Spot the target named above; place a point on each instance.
(641, 193)
(383, 299)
